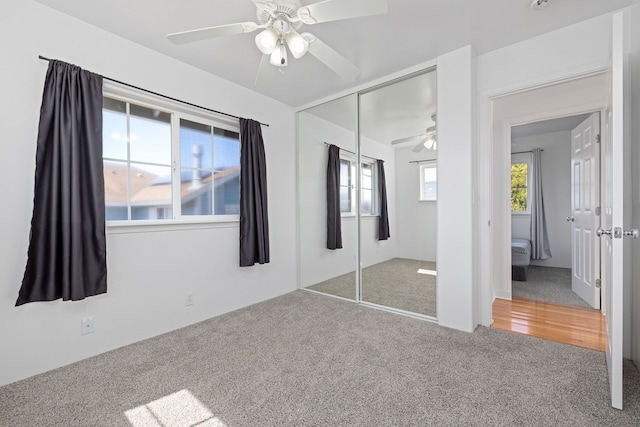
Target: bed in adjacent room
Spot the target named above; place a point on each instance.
(520, 258)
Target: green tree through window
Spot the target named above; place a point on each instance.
(519, 187)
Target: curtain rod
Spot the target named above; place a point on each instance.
(163, 96)
(361, 155)
(421, 161)
(522, 152)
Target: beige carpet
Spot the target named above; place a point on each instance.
(395, 283)
(548, 284)
(308, 360)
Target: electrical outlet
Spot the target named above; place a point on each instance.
(87, 325)
(188, 299)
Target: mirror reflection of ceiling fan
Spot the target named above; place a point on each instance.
(280, 21)
(427, 140)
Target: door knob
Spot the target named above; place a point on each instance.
(570, 218)
(633, 233)
(600, 232)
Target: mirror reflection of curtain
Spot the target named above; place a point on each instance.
(383, 221)
(539, 238)
(334, 220)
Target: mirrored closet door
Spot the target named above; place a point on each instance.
(327, 199)
(367, 194)
(398, 151)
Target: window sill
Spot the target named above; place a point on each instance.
(351, 216)
(122, 227)
(520, 213)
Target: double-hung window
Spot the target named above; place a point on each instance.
(368, 184)
(163, 163)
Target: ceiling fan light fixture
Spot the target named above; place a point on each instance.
(539, 4)
(279, 55)
(298, 45)
(267, 41)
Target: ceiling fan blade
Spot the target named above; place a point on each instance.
(418, 148)
(266, 72)
(266, 5)
(332, 59)
(408, 139)
(333, 10)
(212, 32)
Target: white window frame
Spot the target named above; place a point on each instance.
(528, 160)
(375, 211)
(178, 111)
(354, 170)
(424, 166)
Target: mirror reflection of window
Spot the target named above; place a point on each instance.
(428, 182)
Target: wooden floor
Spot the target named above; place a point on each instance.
(578, 326)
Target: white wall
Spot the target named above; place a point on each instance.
(556, 188)
(317, 263)
(151, 269)
(417, 225)
(633, 47)
(456, 133)
(575, 50)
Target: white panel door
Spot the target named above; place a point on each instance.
(585, 194)
(612, 219)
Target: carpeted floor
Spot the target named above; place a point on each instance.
(307, 360)
(548, 284)
(395, 283)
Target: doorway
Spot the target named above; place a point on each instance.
(577, 97)
(565, 273)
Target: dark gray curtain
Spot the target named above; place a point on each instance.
(383, 221)
(254, 218)
(334, 220)
(67, 245)
(539, 239)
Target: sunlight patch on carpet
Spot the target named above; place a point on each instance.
(175, 410)
(429, 272)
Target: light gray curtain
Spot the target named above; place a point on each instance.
(539, 238)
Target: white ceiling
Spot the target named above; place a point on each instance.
(411, 33)
(561, 124)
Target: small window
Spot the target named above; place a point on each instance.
(520, 165)
(428, 182)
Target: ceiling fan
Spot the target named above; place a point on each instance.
(427, 140)
(280, 21)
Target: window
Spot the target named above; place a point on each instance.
(520, 164)
(163, 164)
(367, 190)
(368, 182)
(428, 181)
(347, 183)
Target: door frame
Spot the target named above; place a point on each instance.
(499, 240)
